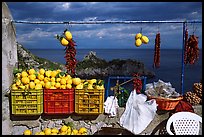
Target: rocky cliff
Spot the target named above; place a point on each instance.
(90, 67)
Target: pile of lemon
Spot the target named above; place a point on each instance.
(51, 79)
(139, 39)
(64, 130)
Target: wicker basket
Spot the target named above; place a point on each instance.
(166, 103)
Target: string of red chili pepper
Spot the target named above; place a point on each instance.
(186, 50)
(137, 83)
(192, 49)
(156, 63)
(70, 53)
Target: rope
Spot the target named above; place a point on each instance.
(99, 22)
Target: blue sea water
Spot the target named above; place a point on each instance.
(170, 63)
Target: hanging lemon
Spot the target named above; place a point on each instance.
(138, 42)
(62, 40)
(68, 34)
(144, 39)
(138, 36)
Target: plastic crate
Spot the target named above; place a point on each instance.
(89, 101)
(58, 101)
(27, 102)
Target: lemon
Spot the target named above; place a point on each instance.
(32, 77)
(46, 79)
(69, 77)
(68, 86)
(37, 81)
(63, 128)
(54, 130)
(24, 74)
(53, 83)
(47, 131)
(41, 77)
(68, 35)
(63, 81)
(52, 79)
(63, 133)
(31, 71)
(53, 133)
(144, 39)
(42, 71)
(58, 79)
(92, 81)
(80, 86)
(48, 85)
(41, 133)
(69, 81)
(74, 132)
(25, 80)
(54, 73)
(82, 130)
(53, 87)
(42, 83)
(37, 133)
(32, 85)
(138, 42)
(27, 86)
(76, 81)
(63, 87)
(18, 82)
(27, 132)
(90, 86)
(14, 87)
(138, 36)
(18, 75)
(48, 73)
(38, 86)
(57, 85)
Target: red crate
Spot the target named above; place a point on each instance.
(58, 101)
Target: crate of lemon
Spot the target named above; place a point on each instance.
(26, 94)
(89, 97)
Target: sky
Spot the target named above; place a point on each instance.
(105, 36)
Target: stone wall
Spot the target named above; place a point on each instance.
(9, 61)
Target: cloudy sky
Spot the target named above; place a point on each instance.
(116, 36)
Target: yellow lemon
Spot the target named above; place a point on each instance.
(76, 81)
(22, 87)
(68, 86)
(69, 81)
(18, 82)
(25, 80)
(53, 83)
(32, 85)
(92, 81)
(80, 86)
(46, 79)
(38, 86)
(27, 132)
(69, 77)
(53, 133)
(48, 73)
(82, 130)
(74, 132)
(144, 39)
(31, 71)
(47, 131)
(32, 77)
(37, 133)
(138, 42)
(18, 75)
(63, 133)
(48, 85)
(138, 36)
(42, 83)
(42, 71)
(41, 77)
(53, 87)
(90, 86)
(63, 81)
(58, 79)
(37, 81)
(54, 73)
(54, 130)
(63, 41)
(63, 128)
(41, 133)
(14, 87)
(52, 79)
(27, 86)
(24, 74)
(63, 87)
(68, 35)
(57, 85)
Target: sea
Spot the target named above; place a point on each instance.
(170, 63)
